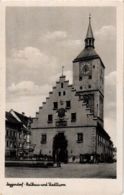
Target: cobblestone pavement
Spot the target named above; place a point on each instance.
(102, 170)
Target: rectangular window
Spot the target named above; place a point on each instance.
(19, 135)
(11, 144)
(10, 133)
(90, 77)
(14, 134)
(43, 139)
(73, 117)
(80, 78)
(7, 144)
(61, 85)
(79, 137)
(64, 92)
(50, 118)
(55, 105)
(68, 104)
(59, 93)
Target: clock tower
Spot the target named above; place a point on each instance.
(88, 76)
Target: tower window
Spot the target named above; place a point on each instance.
(43, 139)
(73, 117)
(89, 41)
(64, 92)
(55, 105)
(90, 77)
(80, 78)
(50, 118)
(89, 86)
(80, 87)
(68, 104)
(61, 85)
(79, 137)
(59, 93)
(93, 66)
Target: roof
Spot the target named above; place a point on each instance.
(86, 53)
(102, 131)
(11, 119)
(89, 31)
(24, 119)
(17, 119)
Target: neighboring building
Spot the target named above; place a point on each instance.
(72, 117)
(17, 133)
(115, 154)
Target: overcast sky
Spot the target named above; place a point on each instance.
(40, 40)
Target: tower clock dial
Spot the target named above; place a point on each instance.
(85, 68)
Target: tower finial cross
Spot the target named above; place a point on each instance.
(62, 70)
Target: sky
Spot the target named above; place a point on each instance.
(40, 40)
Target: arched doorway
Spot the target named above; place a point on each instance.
(60, 143)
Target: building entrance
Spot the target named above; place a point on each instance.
(60, 152)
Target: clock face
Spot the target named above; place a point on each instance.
(85, 68)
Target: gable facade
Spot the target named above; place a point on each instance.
(72, 117)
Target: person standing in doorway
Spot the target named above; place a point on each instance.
(57, 158)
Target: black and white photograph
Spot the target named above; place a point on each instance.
(61, 97)
(60, 92)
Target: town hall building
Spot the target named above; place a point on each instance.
(71, 119)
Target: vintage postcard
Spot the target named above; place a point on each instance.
(61, 97)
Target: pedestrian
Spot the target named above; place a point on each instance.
(58, 161)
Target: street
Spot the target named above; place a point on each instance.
(101, 170)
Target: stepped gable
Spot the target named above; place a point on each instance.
(54, 96)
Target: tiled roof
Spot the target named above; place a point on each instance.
(24, 119)
(16, 118)
(11, 119)
(87, 53)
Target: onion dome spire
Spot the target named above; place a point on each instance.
(89, 40)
